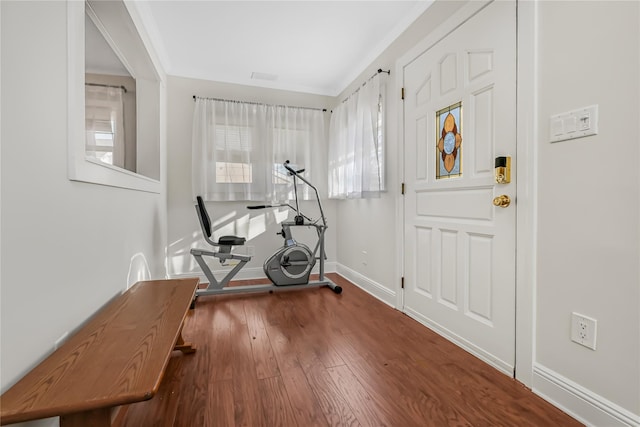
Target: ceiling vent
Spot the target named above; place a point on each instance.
(264, 76)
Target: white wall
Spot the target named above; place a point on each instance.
(367, 229)
(588, 199)
(183, 227)
(67, 247)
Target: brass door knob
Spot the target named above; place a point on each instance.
(502, 201)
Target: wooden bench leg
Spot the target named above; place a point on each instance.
(95, 418)
(184, 347)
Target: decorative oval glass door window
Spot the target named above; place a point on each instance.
(449, 137)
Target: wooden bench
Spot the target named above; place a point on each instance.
(118, 357)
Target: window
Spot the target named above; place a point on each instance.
(356, 144)
(233, 173)
(239, 149)
(101, 155)
(376, 155)
(234, 144)
(104, 125)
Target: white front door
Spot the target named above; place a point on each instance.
(459, 249)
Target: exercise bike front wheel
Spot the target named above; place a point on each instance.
(296, 262)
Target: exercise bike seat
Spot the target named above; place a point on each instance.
(231, 240)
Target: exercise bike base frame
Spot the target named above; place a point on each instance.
(216, 287)
(267, 288)
(222, 256)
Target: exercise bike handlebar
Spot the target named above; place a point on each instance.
(291, 171)
(281, 205)
(296, 174)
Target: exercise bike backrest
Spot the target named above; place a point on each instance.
(225, 242)
(205, 221)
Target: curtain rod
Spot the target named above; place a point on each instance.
(380, 70)
(258, 103)
(101, 85)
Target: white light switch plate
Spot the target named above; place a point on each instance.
(574, 124)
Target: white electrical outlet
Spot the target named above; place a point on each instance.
(583, 330)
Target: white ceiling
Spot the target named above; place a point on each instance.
(306, 46)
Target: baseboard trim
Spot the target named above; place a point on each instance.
(371, 287)
(579, 402)
(247, 273)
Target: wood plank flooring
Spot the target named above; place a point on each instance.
(314, 358)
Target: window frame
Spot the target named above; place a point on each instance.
(264, 153)
(150, 89)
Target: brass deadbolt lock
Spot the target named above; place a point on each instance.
(503, 170)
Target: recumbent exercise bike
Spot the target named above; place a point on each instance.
(289, 267)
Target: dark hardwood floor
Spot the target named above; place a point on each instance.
(314, 358)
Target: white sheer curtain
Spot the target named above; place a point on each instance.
(356, 144)
(104, 124)
(238, 149)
